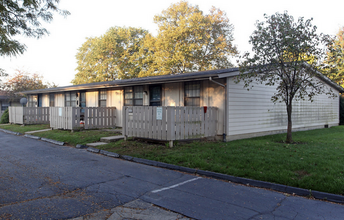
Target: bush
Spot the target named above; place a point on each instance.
(5, 117)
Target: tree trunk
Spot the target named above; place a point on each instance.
(289, 130)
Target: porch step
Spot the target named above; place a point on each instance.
(31, 132)
(112, 138)
(95, 144)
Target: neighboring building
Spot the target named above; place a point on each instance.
(5, 102)
(241, 113)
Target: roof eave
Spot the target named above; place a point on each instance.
(133, 82)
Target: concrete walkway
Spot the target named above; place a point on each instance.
(36, 131)
(136, 209)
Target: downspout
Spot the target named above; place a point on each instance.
(225, 108)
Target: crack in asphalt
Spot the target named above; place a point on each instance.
(271, 212)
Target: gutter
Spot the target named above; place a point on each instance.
(225, 108)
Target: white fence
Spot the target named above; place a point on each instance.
(72, 118)
(28, 115)
(169, 123)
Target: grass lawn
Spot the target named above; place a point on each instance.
(76, 137)
(315, 161)
(71, 138)
(23, 129)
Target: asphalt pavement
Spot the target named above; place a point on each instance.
(40, 180)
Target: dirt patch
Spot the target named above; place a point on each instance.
(301, 174)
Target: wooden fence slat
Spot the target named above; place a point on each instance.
(178, 123)
(70, 117)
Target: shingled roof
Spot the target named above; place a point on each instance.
(138, 81)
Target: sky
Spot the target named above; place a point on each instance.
(53, 56)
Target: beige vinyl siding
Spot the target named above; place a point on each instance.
(252, 113)
(214, 95)
(59, 100)
(115, 99)
(45, 100)
(211, 95)
(92, 99)
(173, 94)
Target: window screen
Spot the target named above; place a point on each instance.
(102, 98)
(192, 91)
(133, 95)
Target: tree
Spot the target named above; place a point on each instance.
(23, 81)
(188, 40)
(111, 56)
(3, 74)
(24, 17)
(334, 62)
(284, 55)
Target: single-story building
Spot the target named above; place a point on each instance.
(241, 113)
(5, 102)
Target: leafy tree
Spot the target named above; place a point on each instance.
(23, 81)
(188, 40)
(24, 17)
(3, 74)
(111, 56)
(334, 63)
(284, 56)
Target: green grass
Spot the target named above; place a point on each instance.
(70, 138)
(76, 137)
(23, 129)
(315, 161)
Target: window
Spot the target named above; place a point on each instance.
(102, 98)
(33, 101)
(51, 100)
(4, 105)
(155, 95)
(133, 95)
(192, 91)
(70, 99)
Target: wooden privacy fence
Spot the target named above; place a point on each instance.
(72, 118)
(169, 123)
(28, 115)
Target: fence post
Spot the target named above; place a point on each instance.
(124, 122)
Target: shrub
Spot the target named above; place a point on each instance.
(5, 117)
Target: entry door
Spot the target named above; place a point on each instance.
(40, 100)
(82, 99)
(155, 95)
(82, 104)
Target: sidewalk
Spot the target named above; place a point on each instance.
(136, 209)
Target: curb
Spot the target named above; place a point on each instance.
(249, 182)
(53, 141)
(80, 146)
(32, 136)
(10, 132)
(93, 150)
(109, 154)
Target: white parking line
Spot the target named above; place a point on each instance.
(179, 184)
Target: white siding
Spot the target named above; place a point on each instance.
(45, 100)
(59, 100)
(115, 99)
(252, 113)
(92, 99)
